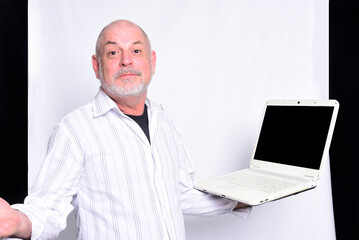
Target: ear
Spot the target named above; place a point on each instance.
(96, 66)
(153, 61)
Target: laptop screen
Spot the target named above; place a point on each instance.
(294, 135)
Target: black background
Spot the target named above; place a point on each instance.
(343, 86)
(13, 99)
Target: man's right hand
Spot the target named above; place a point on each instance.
(13, 223)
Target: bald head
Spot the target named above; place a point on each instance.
(119, 26)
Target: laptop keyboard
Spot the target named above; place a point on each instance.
(258, 182)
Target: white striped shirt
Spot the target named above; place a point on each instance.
(100, 163)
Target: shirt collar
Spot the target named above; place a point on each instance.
(102, 103)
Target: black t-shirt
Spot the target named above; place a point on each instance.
(142, 121)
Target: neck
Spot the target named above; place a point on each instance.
(134, 106)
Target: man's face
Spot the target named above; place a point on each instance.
(127, 63)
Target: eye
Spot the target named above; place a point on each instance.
(112, 53)
(137, 51)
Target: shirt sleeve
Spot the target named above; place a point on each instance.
(49, 202)
(195, 202)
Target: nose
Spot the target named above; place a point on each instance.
(126, 59)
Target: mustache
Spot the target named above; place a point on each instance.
(127, 70)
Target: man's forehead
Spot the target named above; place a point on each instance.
(122, 32)
(114, 42)
(123, 28)
(130, 34)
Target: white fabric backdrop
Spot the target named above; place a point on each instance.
(218, 62)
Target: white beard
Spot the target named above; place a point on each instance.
(130, 89)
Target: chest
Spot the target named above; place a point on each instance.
(119, 159)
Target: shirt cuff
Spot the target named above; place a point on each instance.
(241, 212)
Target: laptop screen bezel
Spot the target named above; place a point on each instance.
(301, 172)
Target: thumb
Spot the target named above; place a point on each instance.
(4, 205)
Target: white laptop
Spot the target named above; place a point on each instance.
(289, 156)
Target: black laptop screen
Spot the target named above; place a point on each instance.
(294, 135)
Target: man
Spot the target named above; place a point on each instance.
(118, 161)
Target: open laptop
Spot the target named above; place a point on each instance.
(289, 156)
